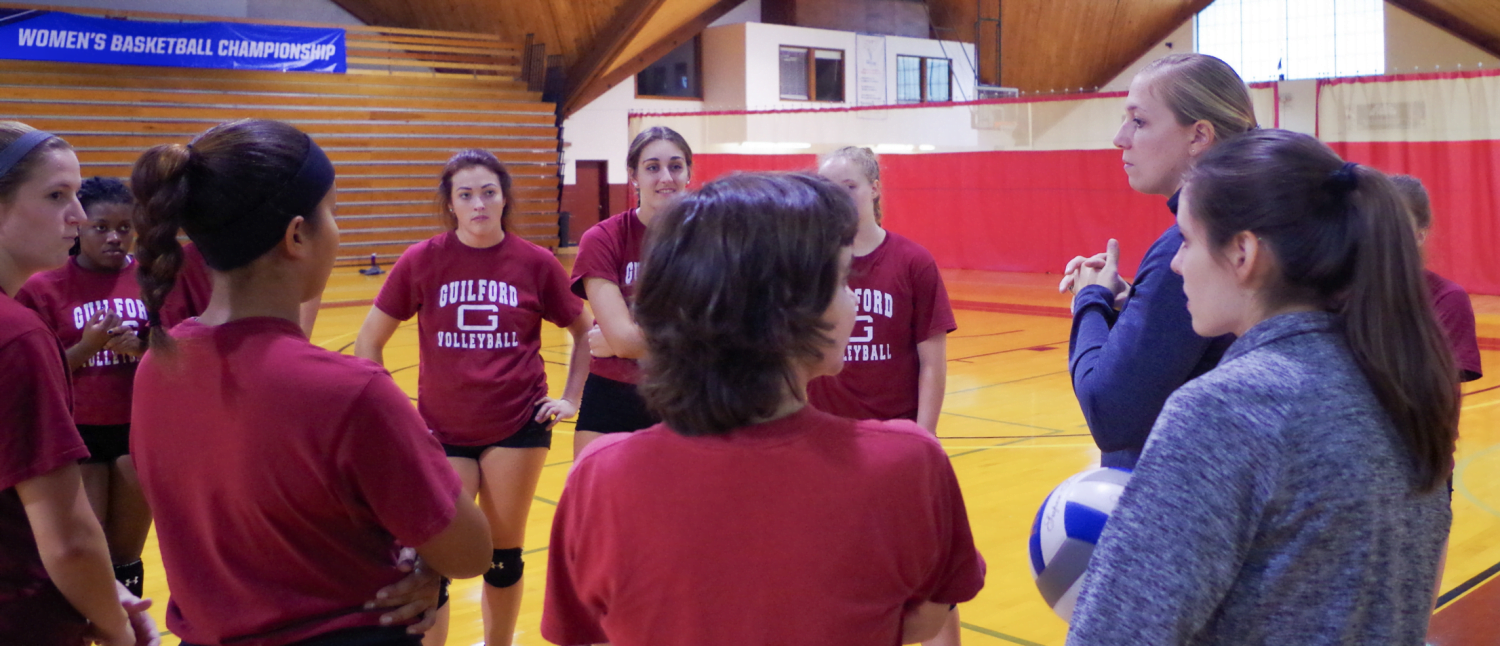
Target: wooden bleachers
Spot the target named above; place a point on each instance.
(410, 99)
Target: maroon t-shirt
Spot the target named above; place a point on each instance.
(810, 529)
(612, 250)
(194, 287)
(283, 477)
(1456, 314)
(479, 316)
(901, 302)
(66, 298)
(37, 437)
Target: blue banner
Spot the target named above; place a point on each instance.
(64, 37)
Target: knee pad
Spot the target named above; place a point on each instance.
(506, 567)
(132, 576)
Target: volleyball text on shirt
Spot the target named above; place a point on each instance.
(862, 346)
(131, 310)
(477, 306)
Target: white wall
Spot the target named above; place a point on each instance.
(293, 10)
(763, 49)
(741, 72)
(601, 130)
(748, 11)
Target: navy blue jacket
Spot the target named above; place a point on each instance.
(1125, 364)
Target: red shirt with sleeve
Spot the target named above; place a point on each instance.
(479, 316)
(612, 250)
(901, 301)
(194, 287)
(1455, 313)
(37, 437)
(66, 298)
(283, 477)
(809, 529)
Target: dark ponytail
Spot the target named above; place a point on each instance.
(159, 181)
(233, 190)
(1344, 242)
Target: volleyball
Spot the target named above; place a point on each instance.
(1066, 529)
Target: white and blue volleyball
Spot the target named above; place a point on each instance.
(1066, 529)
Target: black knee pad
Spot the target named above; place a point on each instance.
(506, 567)
(132, 576)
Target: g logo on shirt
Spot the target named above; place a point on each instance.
(869, 329)
(630, 272)
(493, 319)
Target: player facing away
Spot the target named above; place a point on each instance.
(1455, 312)
(480, 294)
(93, 305)
(896, 363)
(1132, 345)
(660, 164)
(1294, 494)
(286, 479)
(56, 587)
(748, 516)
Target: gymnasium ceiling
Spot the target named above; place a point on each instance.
(1045, 44)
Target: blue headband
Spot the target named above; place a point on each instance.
(19, 148)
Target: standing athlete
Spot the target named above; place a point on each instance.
(480, 294)
(93, 305)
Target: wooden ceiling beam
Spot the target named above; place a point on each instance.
(629, 19)
(624, 71)
(1143, 44)
(1447, 21)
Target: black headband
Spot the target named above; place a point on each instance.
(19, 148)
(234, 244)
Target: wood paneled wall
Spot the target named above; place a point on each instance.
(889, 17)
(388, 125)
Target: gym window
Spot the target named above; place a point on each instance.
(1271, 40)
(675, 76)
(809, 74)
(923, 80)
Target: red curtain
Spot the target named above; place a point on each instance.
(1003, 211)
(1463, 180)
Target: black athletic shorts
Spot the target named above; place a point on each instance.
(366, 636)
(105, 443)
(611, 406)
(534, 435)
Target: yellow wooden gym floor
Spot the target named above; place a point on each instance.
(1013, 430)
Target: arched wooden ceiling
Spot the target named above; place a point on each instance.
(1045, 45)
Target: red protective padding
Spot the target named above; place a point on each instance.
(1463, 180)
(1001, 211)
(708, 167)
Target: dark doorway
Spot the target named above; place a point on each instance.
(588, 198)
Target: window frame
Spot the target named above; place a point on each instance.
(922, 78)
(812, 74)
(697, 77)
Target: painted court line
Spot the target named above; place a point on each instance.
(997, 634)
(1003, 383)
(1000, 421)
(998, 446)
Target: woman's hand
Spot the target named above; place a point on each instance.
(598, 345)
(1102, 270)
(553, 411)
(125, 342)
(411, 597)
(97, 332)
(140, 620)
